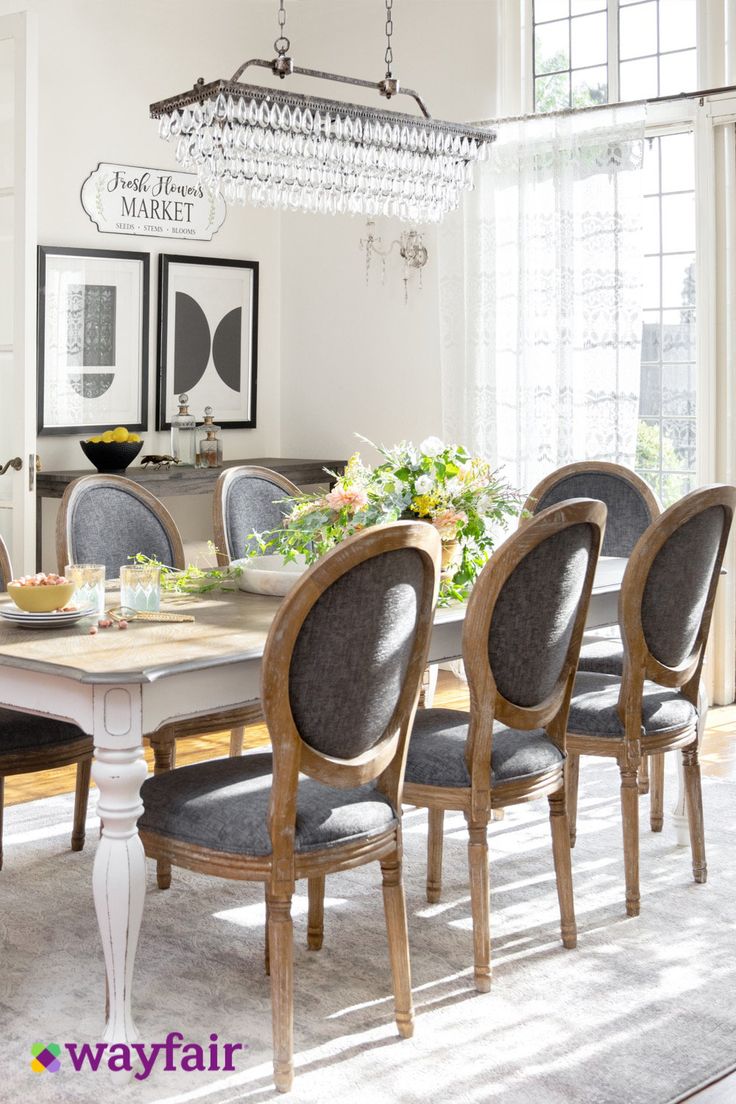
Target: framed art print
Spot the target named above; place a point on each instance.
(208, 338)
(92, 340)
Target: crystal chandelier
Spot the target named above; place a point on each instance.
(269, 148)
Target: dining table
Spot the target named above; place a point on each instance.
(120, 686)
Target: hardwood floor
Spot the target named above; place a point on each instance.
(718, 759)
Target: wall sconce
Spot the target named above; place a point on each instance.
(412, 251)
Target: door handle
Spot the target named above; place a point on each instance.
(16, 464)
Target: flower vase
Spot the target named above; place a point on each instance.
(452, 555)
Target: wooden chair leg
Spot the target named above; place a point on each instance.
(480, 905)
(563, 866)
(694, 802)
(316, 917)
(398, 943)
(266, 944)
(280, 939)
(572, 775)
(656, 799)
(236, 741)
(2, 810)
(435, 830)
(81, 795)
(643, 779)
(164, 752)
(630, 822)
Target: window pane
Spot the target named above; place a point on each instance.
(588, 35)
(651, 343)
(652, 242)
(678, 389)
(590, 86)
(677, 73)
(552, 93)
(678, 223)
(550, 9)
(674, 487)
(678, 443)
(651, 282)
(638, 30)
(650, 399)
(552, 47)
(650, 166)
(678, 163)
(678, 281)
(677, 25)
(582, 7)
(678, 335)
(638, 79)
(647, 446)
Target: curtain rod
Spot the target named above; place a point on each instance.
(698, 95)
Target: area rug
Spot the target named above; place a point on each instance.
(642, 1011)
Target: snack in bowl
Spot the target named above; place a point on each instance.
(40, 593)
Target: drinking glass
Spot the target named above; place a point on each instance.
(140, 587)
(89, 586)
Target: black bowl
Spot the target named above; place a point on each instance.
(113, 457)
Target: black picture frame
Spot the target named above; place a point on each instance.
(70, 381)
(207, 330)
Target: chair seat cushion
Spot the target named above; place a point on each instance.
(26, 731)
(437, 751)
(593, 708)
(604, 656)
(223, 805)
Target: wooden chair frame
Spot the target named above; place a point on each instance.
(224, 486)
(487, 705)
(385, 762)
(6, 570)
(639, 665)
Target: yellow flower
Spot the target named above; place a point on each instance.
(422, 504)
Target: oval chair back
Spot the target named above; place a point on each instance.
(106, 519)
(6, 571)
(246, 501)
(632, 504)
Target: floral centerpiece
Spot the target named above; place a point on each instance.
(461, 495)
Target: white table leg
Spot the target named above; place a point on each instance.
(429, 686)
(119, 880)
(679, 812)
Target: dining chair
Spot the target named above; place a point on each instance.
(340, 681)
(665, 610)
(247, 500)
(632, 507)
(521, 638)
(31, 742)
(107, 519)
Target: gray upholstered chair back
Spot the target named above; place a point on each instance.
(6, 571)
(535, 615)
(631, 505)
(351, 656)
(678, 584)
(251, 505)
(108, 519)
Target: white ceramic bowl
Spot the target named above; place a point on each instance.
(269, 574)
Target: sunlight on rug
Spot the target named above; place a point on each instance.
(641, 1012)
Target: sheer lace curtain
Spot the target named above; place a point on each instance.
(540, 296)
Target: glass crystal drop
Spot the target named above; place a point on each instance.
(307, 121)
(358, 130)
(253, 113)
(209, 111)
(174, 123)
(348, 129)
(296, 119)
(197, 117)
(275, 116)
(221, 107)
(386, 134)
(286, 117)
(164, 127)
(264, 114)
(231, 109)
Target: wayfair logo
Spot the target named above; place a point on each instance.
(128, 1056)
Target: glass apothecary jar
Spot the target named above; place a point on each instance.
(184, 433)
(209, 451)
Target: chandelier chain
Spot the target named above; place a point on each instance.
(282, 44)
(389, 55)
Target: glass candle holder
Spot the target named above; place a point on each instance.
(140, 587)
(89, 586)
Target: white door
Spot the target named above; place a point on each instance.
(18, 83)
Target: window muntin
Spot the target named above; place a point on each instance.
(570, 53)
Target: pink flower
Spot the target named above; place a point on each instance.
(351, 497)
(448, 522)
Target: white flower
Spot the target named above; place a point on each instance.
(431, 446)
(454, 486)
(424, 484)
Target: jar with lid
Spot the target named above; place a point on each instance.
(209, 451)
(184, 433)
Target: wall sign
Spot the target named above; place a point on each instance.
(128, 199)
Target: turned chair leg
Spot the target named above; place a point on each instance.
(435, 830)
(280, 940)
(480, 905)
(394, 906)
(656, 800)
(694, 804)
(2, 810)
(563, 866)
(316, 916)
(81, 796)
(643, 778)
(266, 944)
(237, 736)
(164, 752)
(572, 775)
(630, 823)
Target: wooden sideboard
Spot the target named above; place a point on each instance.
(176, 480)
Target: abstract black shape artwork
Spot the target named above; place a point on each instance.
(192, 342)
(90, 325)
(226, 348)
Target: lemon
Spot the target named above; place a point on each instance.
(120, 434)
(94, 440)
(107, 436)
(133, 438)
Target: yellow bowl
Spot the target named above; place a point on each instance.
(41, 599)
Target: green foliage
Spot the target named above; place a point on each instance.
(193, 579)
